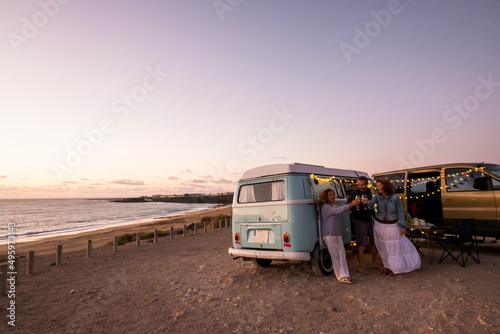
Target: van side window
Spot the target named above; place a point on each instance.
(338, 190)
(398, 181)
(308, 189)
(457, 179)
(496, 184)
(349, 187)
(262, 192)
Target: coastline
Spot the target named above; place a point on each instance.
(36, 236)
(78, 240)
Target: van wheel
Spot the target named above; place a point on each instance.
(321, 262)
(261, 262)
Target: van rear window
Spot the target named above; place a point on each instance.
(262, 192)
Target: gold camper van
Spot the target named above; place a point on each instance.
(444, 193)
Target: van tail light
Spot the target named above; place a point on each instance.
(286, 238)
(236, 236)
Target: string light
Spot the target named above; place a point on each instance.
(332, 178)
(456, 178)
(322, 179)
(421, 196)
(435, 178)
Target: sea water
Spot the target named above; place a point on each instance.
(37, 218)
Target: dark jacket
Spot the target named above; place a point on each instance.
(361, 214)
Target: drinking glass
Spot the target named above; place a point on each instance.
(363, 197)
(357, 198)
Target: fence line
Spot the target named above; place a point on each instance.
(194, 226)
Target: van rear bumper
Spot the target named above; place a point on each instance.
(270, 255)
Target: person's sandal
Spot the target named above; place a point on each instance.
(363, 271)
(345, 280)
(385, 272)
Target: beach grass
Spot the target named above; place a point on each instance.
(132, 237)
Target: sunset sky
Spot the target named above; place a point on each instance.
(130, 98)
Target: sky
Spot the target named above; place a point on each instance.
(133, 98)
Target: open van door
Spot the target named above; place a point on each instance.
(320, 257)
(319, 185)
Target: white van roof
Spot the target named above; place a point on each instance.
(299, 168)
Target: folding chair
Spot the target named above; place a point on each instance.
(464, 242)
(415, 237)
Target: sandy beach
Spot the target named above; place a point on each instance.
(73, 242)
(191, 285)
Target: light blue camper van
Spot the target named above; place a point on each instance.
(275, 213)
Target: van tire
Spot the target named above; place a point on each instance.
(262, 262)
(321, 262)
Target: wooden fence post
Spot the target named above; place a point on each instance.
(3, 282)
(138, 240)
(171, 232)
(156, 236)
(31, 262)
(184, 231)
(59, 255)
(213, 223)
(115, 243)
(205, 226)
(89, 248)
(220, 223)
(195, 228)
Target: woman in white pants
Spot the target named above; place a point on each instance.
(331, 233)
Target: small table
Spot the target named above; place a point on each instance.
(425, 229)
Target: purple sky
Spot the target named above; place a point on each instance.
(129, 98)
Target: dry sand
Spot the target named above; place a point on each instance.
(192, 285)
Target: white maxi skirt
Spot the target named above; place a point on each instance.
(396, 251)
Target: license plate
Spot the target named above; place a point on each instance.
(260, 236)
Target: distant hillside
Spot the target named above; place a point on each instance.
(215, 199)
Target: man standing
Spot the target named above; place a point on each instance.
(363, 224)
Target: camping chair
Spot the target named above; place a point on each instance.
(415, 237)
(464, 242)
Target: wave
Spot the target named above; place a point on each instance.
(79, 216)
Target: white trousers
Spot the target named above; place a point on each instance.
(336, 249)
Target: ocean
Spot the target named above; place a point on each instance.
(37, 218)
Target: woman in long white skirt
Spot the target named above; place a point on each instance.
(397, 252)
